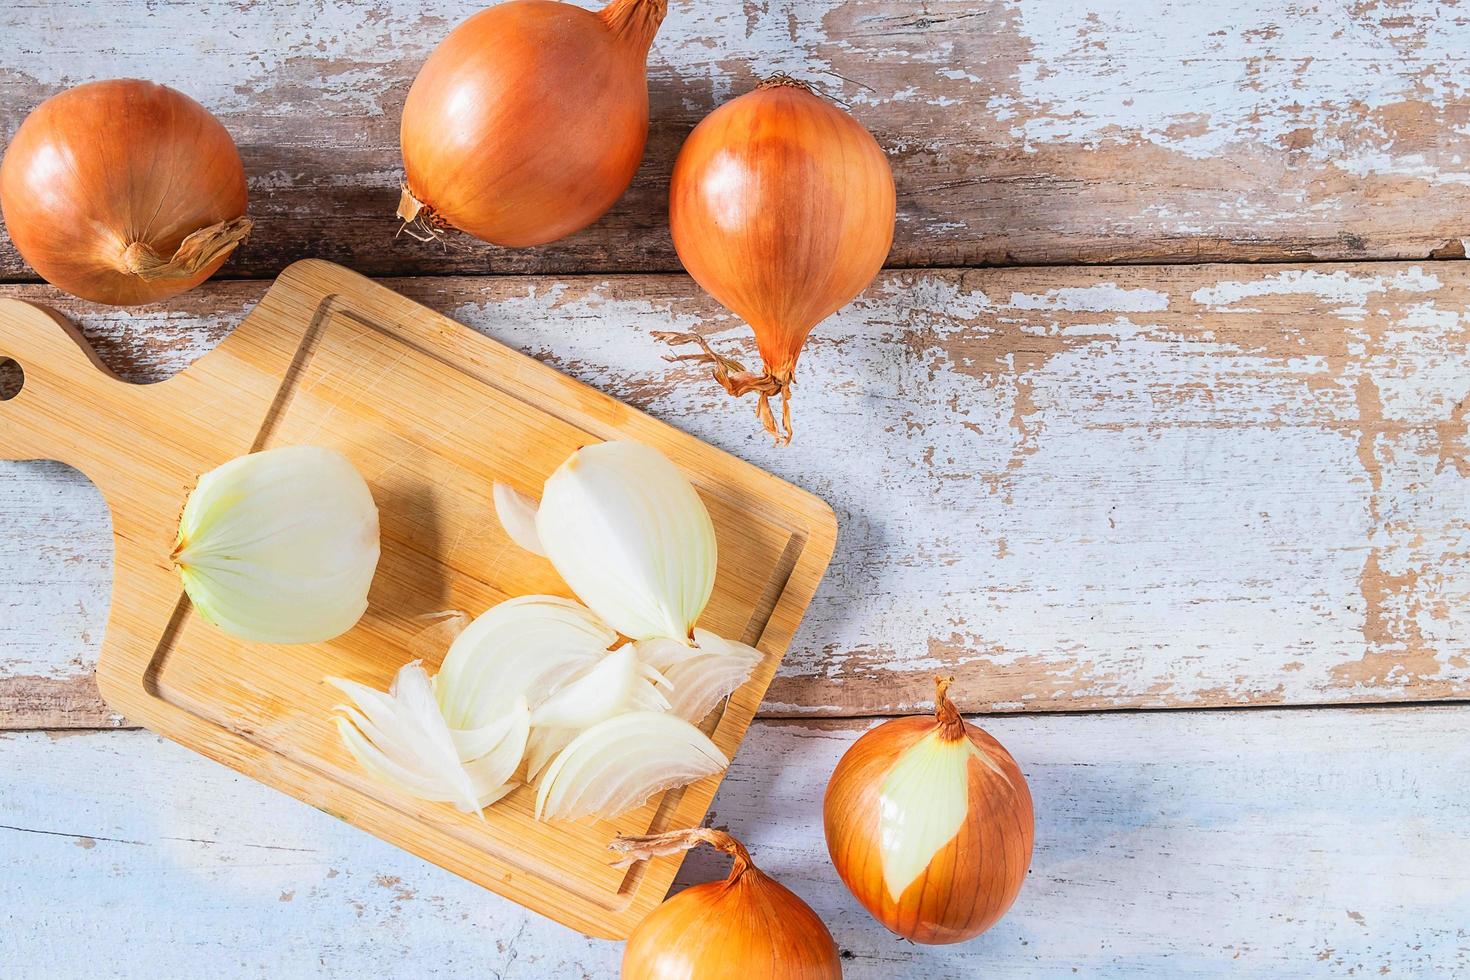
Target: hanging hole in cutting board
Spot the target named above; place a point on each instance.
(12, 378)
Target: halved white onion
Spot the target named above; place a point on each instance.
(619, 763)
(280, 546)
(522, 647)
(401, 738)
(630, 536)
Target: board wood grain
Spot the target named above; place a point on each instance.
(432, 415)
(1073, 488)
(1038, 132)
(1318, 843)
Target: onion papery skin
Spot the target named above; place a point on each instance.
(971, 880)
(782, 206)
(528, 121)
(104, 182)
(747, 927)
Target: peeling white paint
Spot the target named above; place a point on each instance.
(1203, 78)
(1103, 297)
(1340, 286)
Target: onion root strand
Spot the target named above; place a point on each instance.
(634, 848)
(737, 380)
(194, 253)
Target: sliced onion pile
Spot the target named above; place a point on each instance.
(402, 738)
(596, 704)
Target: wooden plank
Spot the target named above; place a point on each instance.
(1019, 133)
(1074, 488)
(1201, 844)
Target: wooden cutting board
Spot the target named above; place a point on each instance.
(432, 414)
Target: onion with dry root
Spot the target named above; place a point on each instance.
(123, 192)
(782, 206)
(747, 927)
(929, 823)
(528, 121)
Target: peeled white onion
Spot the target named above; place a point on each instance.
(629, 535)
(280, 546)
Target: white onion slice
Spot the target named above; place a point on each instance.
(523, 647)
(543, 746)
(619, 682)
(280, 546)
(405, 740)
(401, 738)
(619, 763)
(630, 536)
(517, 514)
(701, 676)
(491, 772)
(703, 682)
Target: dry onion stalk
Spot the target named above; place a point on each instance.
(782, 207)
(528, 121)
(747, 927)
(929, 823)
(123, 192)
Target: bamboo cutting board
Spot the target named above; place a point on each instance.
(432, 414)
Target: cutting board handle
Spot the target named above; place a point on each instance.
(70, 407)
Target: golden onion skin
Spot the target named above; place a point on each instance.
(972, 879)
(528, 121)
(102, 183)
(747, 927)
(782, 206)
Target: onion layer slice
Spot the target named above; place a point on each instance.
(703, 675)
(523, 647)
(401, 738)
(619, 763)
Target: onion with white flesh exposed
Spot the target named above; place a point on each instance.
(627, 532)
(401, 738)
(929, 823)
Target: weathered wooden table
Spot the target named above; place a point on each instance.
(1087, 485)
